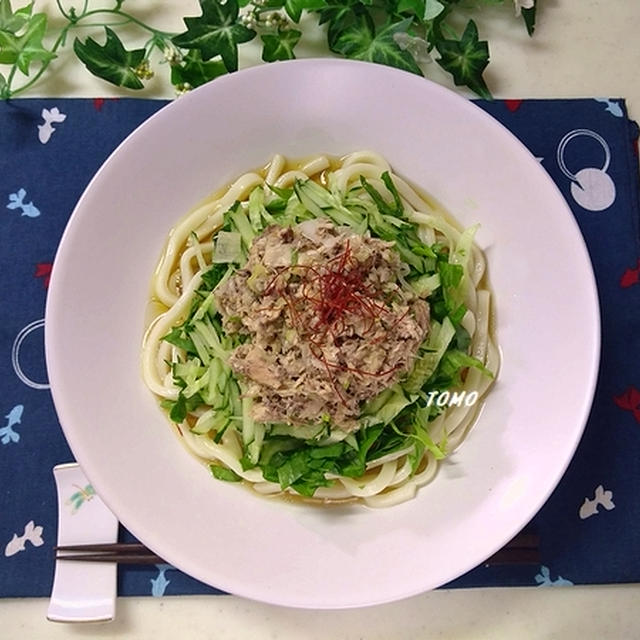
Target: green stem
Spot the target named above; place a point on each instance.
(74, 21)
(128, 18)
(88, 25)
(63, 12)
(6, 92)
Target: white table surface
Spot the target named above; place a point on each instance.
(581, 48)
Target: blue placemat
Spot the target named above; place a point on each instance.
(589, 529)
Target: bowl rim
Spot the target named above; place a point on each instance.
(57, 287)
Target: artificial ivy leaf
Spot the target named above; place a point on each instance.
(280, 47)
(294, 8)
(465, 59)
(353, 32)
(432, 9)
(111, 61)
(9, 48)
(194, 71)
(6, 13)
(529, 17)
(12, 21)
(24, 49)
(361, 42)
(340, 16)
(333, 9)
(215, 32)
(416, 7)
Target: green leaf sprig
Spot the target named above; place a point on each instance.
(399, 33)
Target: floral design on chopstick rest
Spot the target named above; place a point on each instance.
(82, 495)
(601, 498)
(16, 201)
(45, 131)
(32, 533)
(544, 579)
(8, 433)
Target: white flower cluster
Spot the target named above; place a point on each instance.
(172, 55)
(182, 88)
(249, 20)
(257, 17)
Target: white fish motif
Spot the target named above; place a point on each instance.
(602, 498)
(16, 201)
(544, 579)
(14, 417)
(612, 107)
(32, 533)
(159, 583)
(45, 131)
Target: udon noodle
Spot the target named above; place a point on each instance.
(410, 442)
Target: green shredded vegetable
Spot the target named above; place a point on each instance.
(305, 458)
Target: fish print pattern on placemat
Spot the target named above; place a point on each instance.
(32, 533)
(8, 433)
(49, 151)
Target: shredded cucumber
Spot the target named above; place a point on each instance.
(242, 224)
(438, 341)
(386, 406)
(323, 204)
(425, 285)
(394, 422)
(228, 247)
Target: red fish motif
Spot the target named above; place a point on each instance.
(630, 276)
(629, 401)
(513, 105)
(43, 270)
(98, 103)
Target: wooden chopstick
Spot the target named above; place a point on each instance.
(111, 547)
(524, 549)
(118, 552)
(124, 559)
(507, 556)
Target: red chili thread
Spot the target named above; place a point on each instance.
(335, 291)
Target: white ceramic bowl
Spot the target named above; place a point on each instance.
(547, 326)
